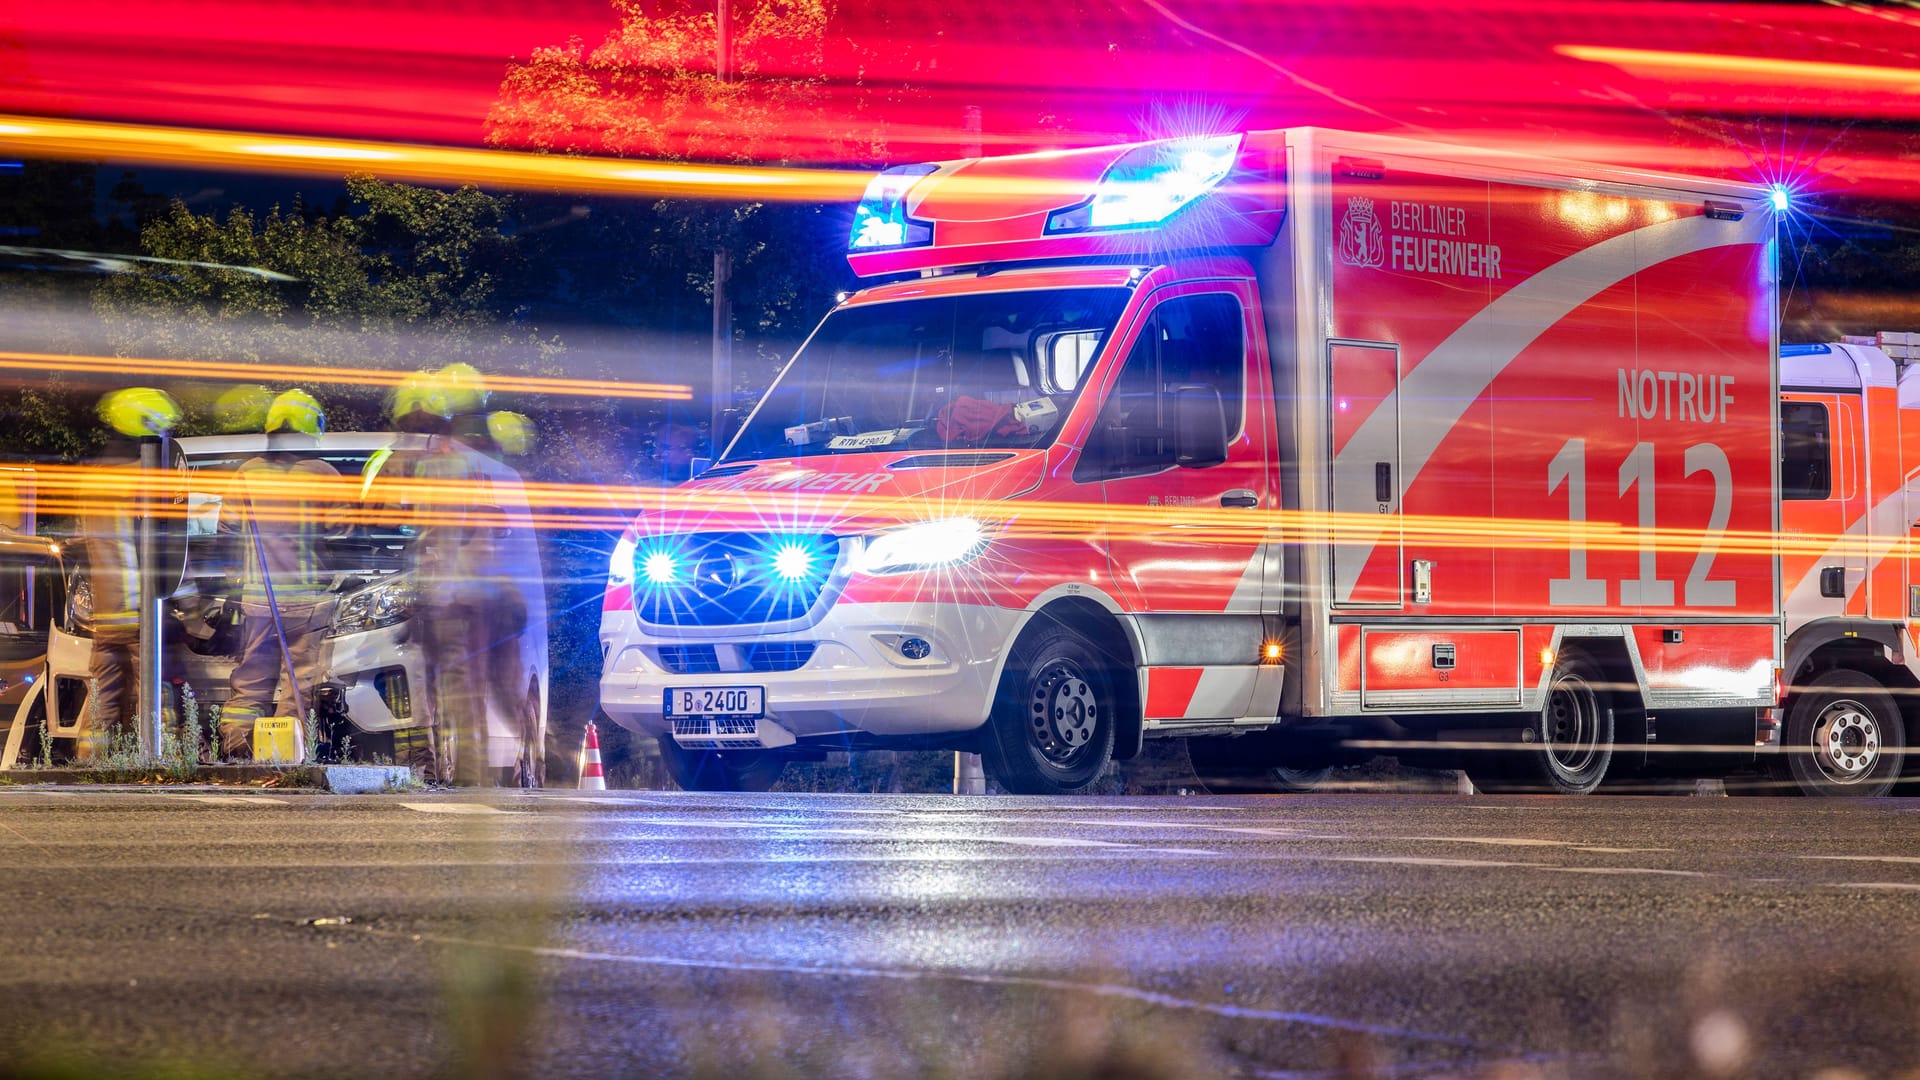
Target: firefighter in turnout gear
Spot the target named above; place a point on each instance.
(470, 632)
(281, 506)
(113, 571)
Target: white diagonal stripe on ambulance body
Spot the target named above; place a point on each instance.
(1873, 534)
(1452, 377)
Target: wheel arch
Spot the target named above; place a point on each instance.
(1111, 635)
(1861, 645)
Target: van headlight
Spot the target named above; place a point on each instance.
(373, 607)
(929, 545)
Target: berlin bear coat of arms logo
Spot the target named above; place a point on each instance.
(1361, 242)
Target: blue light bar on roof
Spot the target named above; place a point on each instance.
(881, 222)
(1151, 183)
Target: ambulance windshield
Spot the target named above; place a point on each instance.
(980, 370)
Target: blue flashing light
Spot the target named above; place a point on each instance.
(660, 568)
(1780, 198)
(881, 221)
(1151, 183)
(792, 562)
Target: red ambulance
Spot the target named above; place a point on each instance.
(1305, 446)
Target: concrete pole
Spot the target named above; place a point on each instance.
(152, 598)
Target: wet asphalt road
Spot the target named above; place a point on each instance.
(740, 936)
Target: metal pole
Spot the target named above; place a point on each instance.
(722, 266)
(969, 774)
(722, 343)
(146, 585)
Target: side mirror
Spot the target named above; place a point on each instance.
(1199, 427)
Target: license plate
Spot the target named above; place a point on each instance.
(716, 701)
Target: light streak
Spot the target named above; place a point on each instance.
(89, 489)
(89, 140)
(340, 376)
(1769, 71)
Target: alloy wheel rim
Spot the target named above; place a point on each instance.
(1846, 742)
(1062, 714)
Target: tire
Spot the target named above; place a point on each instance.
(1844, 737)
(717, 770)
(1572, 738)
(1052, 727)
(1237, 766)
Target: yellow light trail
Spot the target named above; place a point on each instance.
(1772, 71)
(81, 489)
(342, 376)
(92, 140)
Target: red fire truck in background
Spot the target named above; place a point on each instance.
(1304, 445)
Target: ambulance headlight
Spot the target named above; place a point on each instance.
(929, 545)
(881, 220)
(1151, 183)
(374, 607)
(620, 570)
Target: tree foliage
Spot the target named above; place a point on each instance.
(651, 88)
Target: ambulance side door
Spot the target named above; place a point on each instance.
(1186, 520)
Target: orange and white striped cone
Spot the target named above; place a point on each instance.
(592, 776)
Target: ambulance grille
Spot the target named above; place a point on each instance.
(734, 579)
(689, 659)
(759, 656)
(698, 727)
(777, 655)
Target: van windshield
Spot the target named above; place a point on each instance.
(356, 548)
(983, 370)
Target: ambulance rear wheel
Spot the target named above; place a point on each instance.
(1568, 746)
(716, 770)
(1051, 731)
(1844, 737)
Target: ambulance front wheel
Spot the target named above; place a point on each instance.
(1051, 730)
(721, 770)
(1567, 747)
(1844, 736)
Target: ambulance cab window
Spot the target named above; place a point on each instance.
(1188, 341)
(1805, 451)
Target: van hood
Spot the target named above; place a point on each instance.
(846, 493)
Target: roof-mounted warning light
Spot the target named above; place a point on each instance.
(1151, 183)
(881, 222)
(1781, 198)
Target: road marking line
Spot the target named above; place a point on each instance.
(232, 800)
(1895, 886)
(1630, 870)
(1864, 858)
(1105, 990)
(1418, 860)
(453, 808)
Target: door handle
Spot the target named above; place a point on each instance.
(1382, 482)
(1239, 497)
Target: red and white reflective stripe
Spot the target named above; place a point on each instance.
(1199, 693)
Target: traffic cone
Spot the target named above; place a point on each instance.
(592, 777)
